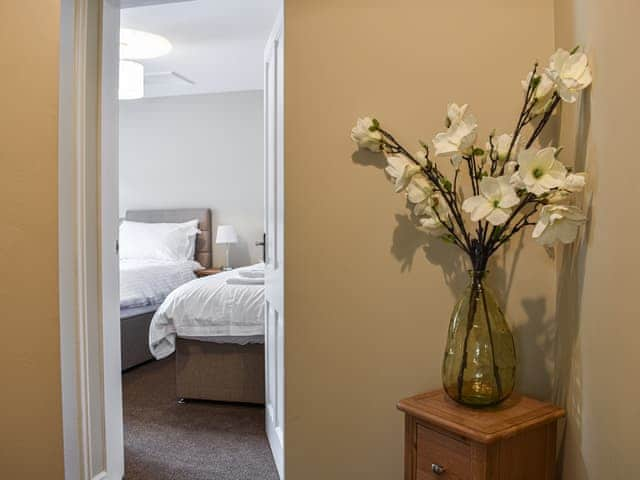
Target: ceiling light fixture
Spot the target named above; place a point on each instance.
(131, 84)
(139, 45)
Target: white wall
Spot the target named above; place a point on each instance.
(197, 151)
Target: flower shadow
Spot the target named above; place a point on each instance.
(535, 343)
(408, 239)
(535, 334)
(367, 158)
(452, 263)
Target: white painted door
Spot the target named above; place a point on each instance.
(274, 227)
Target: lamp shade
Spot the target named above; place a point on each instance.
(226, 234)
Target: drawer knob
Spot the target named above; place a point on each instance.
(437, 469)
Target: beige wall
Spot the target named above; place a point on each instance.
(597, 311)
(366, 309)
(30, 418)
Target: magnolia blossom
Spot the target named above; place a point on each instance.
(570, 72)
(539, 171)
(432, 226)
(421, 157)
(501, 145)
(543, 91)
(459, 137)
(510, 168)
(573, 182)
(419, 191)
(401, 169)
(558, 222)
(494, 203)
(436, 210)
(366, 135)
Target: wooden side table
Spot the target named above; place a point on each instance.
(515, 440)
(208, 271)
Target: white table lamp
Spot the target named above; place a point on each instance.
(226, 236)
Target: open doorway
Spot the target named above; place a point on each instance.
(200, 309)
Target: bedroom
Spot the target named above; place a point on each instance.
(191, 238)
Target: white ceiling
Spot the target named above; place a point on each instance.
(217, 44)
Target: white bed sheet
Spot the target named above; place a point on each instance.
(148, 282)
(208, 307)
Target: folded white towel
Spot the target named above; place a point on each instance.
(251, 273)
(245, 281)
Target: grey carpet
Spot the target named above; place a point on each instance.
(194, 441)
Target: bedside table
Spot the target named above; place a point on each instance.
(516, 439)
(207, 271)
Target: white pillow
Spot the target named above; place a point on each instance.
(158, 241)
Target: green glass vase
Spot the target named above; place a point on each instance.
(479, 366)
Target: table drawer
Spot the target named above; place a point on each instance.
(449, 453)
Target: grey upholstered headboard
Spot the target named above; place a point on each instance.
(179, 215)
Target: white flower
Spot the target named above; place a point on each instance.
(543, 93)
(557, 196)
(570, 73)
(419, 190)
(366, 135)
(494, 203)
(516, 181)
(558, 222)
(459, 137)
(457, 114)
(432, 226)
(573, 182)
(401, 169)
(501, 145)
(421, 157)
(510, 167)
(540, 171)
(545, 86)
(436, 207)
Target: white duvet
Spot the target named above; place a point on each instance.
(208, 307)
(148, 282)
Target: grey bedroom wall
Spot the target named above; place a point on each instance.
(197, 151)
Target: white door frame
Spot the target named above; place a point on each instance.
(91, 385)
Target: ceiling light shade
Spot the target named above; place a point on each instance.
(131, 84)
(139, 45)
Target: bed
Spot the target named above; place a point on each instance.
(136, 315)
(215, 327)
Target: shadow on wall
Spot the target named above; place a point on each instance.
(534, 337)
(567, 381)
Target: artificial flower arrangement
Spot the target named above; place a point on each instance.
(514, 184)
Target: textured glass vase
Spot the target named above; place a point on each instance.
(479, 365)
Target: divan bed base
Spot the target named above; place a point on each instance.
(134, 340)
(224, 372)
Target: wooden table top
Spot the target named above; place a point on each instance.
(484, 425)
